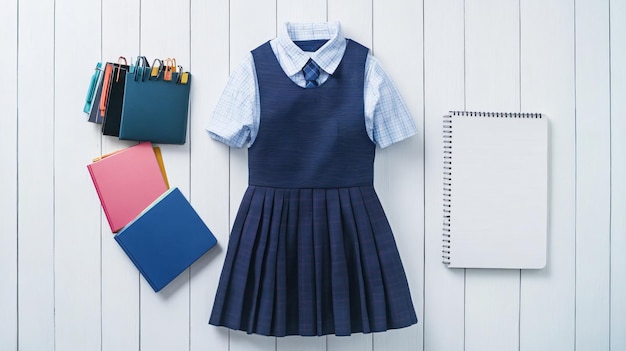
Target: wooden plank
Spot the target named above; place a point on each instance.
(300, 11)
(618, 174)
(35, 224)
(492, 310)
(402, 60)
(209, 164)
(356, 17)
(76, 231)
(444, 299)
(251, 24)
(355, 342)
(492, 84)
(592, 175)
(8, 177)
(492, 56)
(120, 278)
(547, 86)
(300, 343)
(164, 316)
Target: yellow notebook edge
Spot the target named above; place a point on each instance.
(159, 156)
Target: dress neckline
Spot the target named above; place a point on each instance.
(287, 77)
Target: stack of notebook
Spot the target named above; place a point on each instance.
(140, 102)
(155, 225)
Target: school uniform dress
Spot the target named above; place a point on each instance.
(311, 251)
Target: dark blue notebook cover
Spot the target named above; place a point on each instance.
(165, 239)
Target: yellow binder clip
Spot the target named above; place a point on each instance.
(183, 77)
(155, 72)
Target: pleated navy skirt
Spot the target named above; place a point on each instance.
(312, 262)
(311, 251)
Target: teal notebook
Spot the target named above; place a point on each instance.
(155, 107)
(165, 239)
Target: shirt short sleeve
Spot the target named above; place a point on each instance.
(387, 117)
(233, 120)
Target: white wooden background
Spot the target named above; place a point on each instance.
(66, 285)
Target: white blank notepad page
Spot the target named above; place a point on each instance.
(498, 213)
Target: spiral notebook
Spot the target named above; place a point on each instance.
(495, 190)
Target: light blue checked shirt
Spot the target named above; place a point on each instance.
(236, 118)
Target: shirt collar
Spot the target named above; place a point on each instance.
(327, 57)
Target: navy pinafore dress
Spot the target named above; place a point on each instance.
(311, 251)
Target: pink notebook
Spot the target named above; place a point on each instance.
(127, 181)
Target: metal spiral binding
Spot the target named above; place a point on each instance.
(496, 114)
(447, 166)
(447, 184)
